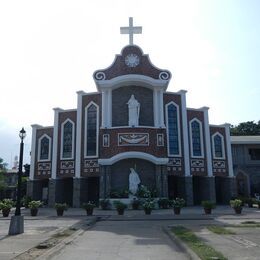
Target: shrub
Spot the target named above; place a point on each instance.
(88, 205)
(119, 205)
(207, 204)
(143, 192)
(178, 203)
(148, 204)
(236, 203)
(105, 204)
(6, 204)
(34, 204)
(61, 206)
(163, 203)
(25, 201)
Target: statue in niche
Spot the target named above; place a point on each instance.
(134, 181)
(133, 111)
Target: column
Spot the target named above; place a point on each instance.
(207, 142)
(51, 192)
(164, 180)
(158, 180)
(186, 148)
(55, 143)
(155, 108)
(161, 108)
(78, 134)
(229, 153)
(76, 192)
(33, 151)
(102, 182)
(103, 113)
(109, 108)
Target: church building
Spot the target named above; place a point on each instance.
(131, 122)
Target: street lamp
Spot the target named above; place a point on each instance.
(17, 221)
(22, 135)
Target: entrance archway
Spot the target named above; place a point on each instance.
(242, 184)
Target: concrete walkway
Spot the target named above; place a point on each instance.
(38, 229)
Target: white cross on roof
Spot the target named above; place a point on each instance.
(131, 30)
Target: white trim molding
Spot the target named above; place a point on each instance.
(33, 150)
(73, 140)
(201, 138)
(207, 140)
(138, 155)
(178, 127)
(229, 153)
(78, 133)
(222, 146)
(132, 79)
(85, 130)
(39, 148)
(55, 142)
(185, 133)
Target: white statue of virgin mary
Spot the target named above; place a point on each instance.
(134, 181)
(133, 111)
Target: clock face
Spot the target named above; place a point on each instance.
(132, 60)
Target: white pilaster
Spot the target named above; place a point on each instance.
(207, 141)
(229, 153)
(186, 149)
(55, 143)
(33, 151)
(160, 108)
(109, 108)
(103, 121)
(155, 108)
(78, 134)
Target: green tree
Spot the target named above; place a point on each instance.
(3, 166)
(246, 128)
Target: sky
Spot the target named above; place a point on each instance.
(50, 49)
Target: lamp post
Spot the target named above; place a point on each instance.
(22, 135)
(17, 221)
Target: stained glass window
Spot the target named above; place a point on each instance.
(218, 146)
(196, 139)
(67, 140)
(173, 135)
(44, 148)
(91, 131)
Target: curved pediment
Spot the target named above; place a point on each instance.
(132, 65)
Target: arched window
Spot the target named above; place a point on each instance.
(172, 114)
(196, 138)
(44, 150)
(218, 146)
(67, 140)
(91, 130)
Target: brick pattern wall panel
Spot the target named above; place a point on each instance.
(39, 133)
(220, 167)
(61, 171)
(152, 148)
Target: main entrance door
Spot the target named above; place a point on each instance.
(93, 189)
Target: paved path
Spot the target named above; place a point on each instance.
(135, 230)
(123, 240)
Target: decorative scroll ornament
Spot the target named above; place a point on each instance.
(164, 75)
(133, 139)
(100, 75)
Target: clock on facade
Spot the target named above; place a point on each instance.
(132, 60)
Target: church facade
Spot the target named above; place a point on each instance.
(131, 121)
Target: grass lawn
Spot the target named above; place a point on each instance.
(220, 230)
(205, 252)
